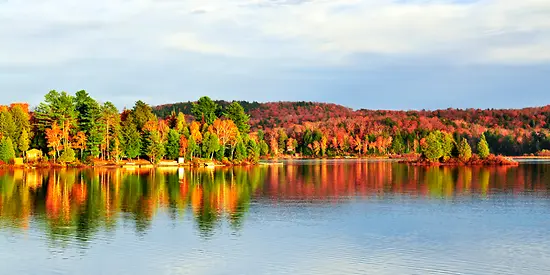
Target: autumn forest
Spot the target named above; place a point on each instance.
(70, 129)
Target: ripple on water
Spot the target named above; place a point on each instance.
(344, 218)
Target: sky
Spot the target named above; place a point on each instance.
(375, 54)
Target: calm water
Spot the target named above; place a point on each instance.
(312, 217)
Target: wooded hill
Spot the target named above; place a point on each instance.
(508, 131)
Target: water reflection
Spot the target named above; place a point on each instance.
(69, 204)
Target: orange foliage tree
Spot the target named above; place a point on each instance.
(226, 130)
(54, 136)
(79, 142)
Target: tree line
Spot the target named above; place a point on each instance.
(77, 127)
(312, 129)
(69, 128)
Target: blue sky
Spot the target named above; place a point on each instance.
(377, 54)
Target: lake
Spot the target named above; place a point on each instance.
(305, 217)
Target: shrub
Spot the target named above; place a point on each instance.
(68, 155)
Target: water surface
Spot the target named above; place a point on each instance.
(307, 217)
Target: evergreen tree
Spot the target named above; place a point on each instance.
(24, 142)
(173, 145)
(131, 139)
(205, 110)
(240, 151)
(21, 121)
(307, 141)
(88, 114)
(59, 108)
(447, 144)
(181, 123)
(282, 141)
(7, 126)
(220, 154)
(261, 135)
(464, 150)
(236, 113)
(432, 148)
(253, 150)
(142, 113)
(264, 148)
(398, 146)
(155, 148)
(483, 148)
(7, 152)
(94, 138)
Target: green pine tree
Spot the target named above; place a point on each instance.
(253, 150)
(283, 137)
(240, 152)
(398, 145)
(205, 110)
(464, 150)
(264, 148)
(24, 142)
(21, 120)
(173, 145)
(131, 139)
(447, 144)
(88, 114)
(141, 113)
(220, 154)
(7, 152)
(483, 148)
(7, 125)
(432, 149)
(155, 148)
(235, 112)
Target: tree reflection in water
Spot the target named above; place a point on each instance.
(78, 204)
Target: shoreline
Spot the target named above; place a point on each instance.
(493, 161)
(531, 157)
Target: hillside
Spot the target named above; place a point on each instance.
(508, 131)
(271, 114)
(281, 114)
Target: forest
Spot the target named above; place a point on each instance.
(68, 128)
(310, 129)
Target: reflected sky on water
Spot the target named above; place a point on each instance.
(305, 217)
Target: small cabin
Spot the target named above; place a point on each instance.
(33, 155)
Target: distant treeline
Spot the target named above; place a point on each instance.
(187, 107)
(320, 129)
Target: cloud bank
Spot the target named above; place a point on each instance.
(260, 37)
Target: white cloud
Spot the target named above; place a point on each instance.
(320, 31)
(190, 42)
